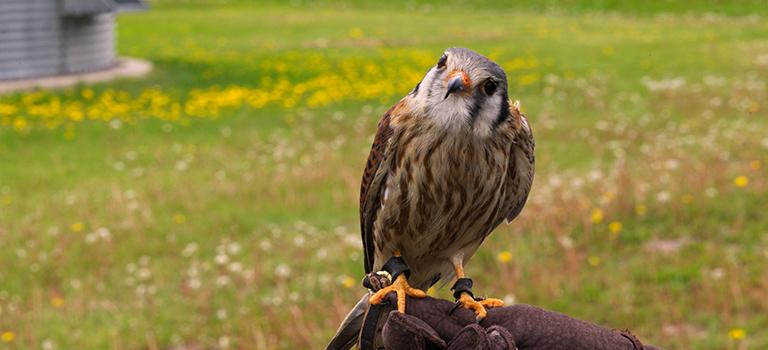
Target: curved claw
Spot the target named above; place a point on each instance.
(401, 287)
(478, 306)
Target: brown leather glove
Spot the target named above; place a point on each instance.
(431, 323)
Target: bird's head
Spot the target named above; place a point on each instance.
(463, 90)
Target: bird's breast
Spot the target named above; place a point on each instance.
(443, 195)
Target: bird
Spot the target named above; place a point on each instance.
(450, 162)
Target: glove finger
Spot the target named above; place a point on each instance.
(404, 331)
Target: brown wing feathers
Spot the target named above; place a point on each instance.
(519, 175)
(370, 190)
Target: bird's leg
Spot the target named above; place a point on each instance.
(400, 285)
(462, 291)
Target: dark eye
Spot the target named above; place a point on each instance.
(489, 87)
(441, 62)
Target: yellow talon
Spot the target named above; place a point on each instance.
(468, 302)
(401, 287)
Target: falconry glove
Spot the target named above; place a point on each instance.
(434, 324)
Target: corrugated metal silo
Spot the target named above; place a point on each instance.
(52, 37)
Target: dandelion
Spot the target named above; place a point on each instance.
(235, 267)
(47, 344)
(528, 79)
(505, 257)
(641, 209)
(20, 124)
(356, 33)
(224, 341)
(265, 245)
(8, 336)
(222, 281)
(57, 302)
(221, 259)
(282, 271)
(189, 249)
(76, 227)
(348, 282)
(593, 260)
(179, 219)
(597, 216)
(221, 314)
(194, 283)
(741, 181)
(737, 334)
(614, 228)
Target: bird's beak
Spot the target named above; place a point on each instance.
(458, 81)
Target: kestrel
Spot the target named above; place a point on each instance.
(449, 162)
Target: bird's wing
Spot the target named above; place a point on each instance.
(521, 165)
(374, 181)
(349, 330)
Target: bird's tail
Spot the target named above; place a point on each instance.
(349, 330)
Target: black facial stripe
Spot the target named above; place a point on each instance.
(479, 99)
(503, 112)
(416, 89)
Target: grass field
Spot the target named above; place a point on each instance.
(214, 203)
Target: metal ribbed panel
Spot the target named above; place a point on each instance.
(37, 38)
(86, 7)
(29, 38)
(89, 43)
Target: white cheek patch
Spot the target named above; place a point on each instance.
(422, 96)
(452, 112)
(487, 116)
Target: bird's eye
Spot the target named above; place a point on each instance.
(489, 87)
(441, 62)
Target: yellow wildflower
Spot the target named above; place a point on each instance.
(641, 209)
(741, 181)
(69, 133)
(593, 260)
(737, 334)
(57, 301)
(614, 228)
(179, 219)
(8, 336)
(528, 79)
(755, 165)
(505, 256)
(356, 33)
(348, 282)
(76, 226)
(87, 94)
(20, 124)
(597, 216)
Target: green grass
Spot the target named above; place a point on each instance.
(235, 225)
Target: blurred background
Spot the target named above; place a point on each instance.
(212, 204)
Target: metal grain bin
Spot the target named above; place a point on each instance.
(52, 37)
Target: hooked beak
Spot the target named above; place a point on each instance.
(457, 82)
